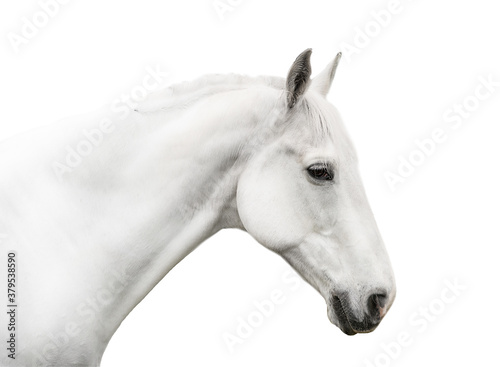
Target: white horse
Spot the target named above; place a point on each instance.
(97, 212)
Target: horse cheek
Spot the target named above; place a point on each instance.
(268, 211)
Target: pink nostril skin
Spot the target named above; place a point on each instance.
(376, 306)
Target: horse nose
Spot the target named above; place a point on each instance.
(376, 306)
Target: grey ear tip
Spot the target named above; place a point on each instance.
(307, 52)
(339, 55)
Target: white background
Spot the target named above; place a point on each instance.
(440, 224)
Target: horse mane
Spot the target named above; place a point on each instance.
(227, 79)
(182, 94)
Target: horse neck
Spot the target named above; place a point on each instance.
(172, 187)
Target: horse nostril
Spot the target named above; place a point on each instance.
(376, 303)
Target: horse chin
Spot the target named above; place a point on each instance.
(340, 321)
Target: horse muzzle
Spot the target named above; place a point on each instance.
(376, 308)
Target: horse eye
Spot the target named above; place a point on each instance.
(320, 172)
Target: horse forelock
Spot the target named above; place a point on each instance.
(324, 122)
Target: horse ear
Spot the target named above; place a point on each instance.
(323, 81)
(298, 77)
